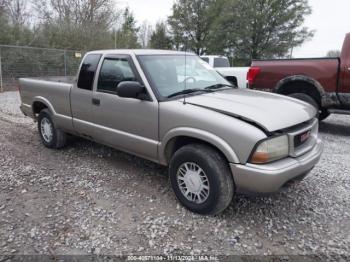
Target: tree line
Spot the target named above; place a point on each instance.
(241, 29)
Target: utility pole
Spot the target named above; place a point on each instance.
(1, 86)
(65, 62)
(233, 60)
(292, 47)
(115, 38)
(291, 52)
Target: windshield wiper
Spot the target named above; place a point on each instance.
(218, 86)
(208, 89)
(189, 91)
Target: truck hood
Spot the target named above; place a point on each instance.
(269, 111)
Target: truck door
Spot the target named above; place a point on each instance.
(81, 96)
(128, 124)
(344, 91)
(344, 88)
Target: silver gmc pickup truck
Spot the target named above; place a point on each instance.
(174, 109)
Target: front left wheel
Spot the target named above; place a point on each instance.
(201, 179)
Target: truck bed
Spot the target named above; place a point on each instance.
(56, 90)
(324, 70)
(239, 73)
(58, 79)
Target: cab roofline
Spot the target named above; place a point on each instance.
(139, 52)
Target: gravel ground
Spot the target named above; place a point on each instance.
(90, 199)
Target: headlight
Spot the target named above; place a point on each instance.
(271, 150)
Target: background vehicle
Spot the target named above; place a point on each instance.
(236, 75)
(322, 82)
(182, 115)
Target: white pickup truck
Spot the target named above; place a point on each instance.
(235, 75)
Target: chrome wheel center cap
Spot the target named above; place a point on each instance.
(193, 182)
(46, 130)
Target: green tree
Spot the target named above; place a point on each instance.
(333, 53)
(17, 11)
(254, 29)
(145, 34)
(192, 22)
(14, 27)
(75, 24)
(5, 27)
(127, 35)
(159, 38)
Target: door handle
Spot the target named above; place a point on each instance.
(96, 101)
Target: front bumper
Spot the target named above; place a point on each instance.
(271, 177)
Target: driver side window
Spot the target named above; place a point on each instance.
(113, 72)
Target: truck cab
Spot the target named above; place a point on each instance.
(235, 75)
(216, 61)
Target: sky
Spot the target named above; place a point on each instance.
(330, 19)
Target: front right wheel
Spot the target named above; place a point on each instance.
(201, 179)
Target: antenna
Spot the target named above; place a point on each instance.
(185, 82)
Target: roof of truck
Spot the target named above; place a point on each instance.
(214, 56)
(140, 52)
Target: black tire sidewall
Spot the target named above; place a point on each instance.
(324, 114)
(45, 114)
(306, 98)
(211, 170)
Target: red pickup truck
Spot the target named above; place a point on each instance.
(322, 82)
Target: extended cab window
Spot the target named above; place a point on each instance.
(113, 72)
(87, 71)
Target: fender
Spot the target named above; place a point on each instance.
(61, 121)
(327, 99)
(45, 102)
(210, 138)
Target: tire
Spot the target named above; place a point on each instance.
(308, 99)
(50, 136)
(301, 177)
(297, 179)
(323, 114)
(216, 176)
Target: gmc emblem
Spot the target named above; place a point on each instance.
(305, 136)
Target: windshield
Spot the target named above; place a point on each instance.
(172, 74)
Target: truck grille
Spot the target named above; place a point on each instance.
(303, 138)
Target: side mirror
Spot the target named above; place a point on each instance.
(131, 89)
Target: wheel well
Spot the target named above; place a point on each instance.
(177, 142)
(38, 106)
(301, 87)
(232, 79)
